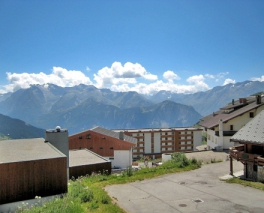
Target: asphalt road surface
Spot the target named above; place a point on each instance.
(195, 191)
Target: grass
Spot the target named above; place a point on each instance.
(87, 194)
(256, 185)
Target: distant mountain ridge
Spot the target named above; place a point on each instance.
(84, 106)
(17, 129)
(211, 100)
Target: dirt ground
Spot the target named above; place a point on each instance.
(209, 156)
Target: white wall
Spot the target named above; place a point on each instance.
(147, 140)
(166, 157)
(157, 142)
(122, 158)
(197, 139)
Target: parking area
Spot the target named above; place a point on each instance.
(195, 191)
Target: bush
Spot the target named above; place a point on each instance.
(105, 199)
(129, 171)
(86, 196)
(180, 159)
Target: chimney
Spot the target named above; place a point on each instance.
(233, 101)
(121, 135)
(258, 99)
(59, 138)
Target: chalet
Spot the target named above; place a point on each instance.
(155, 142)
(220, 126)
(115, 146)
(250, 150)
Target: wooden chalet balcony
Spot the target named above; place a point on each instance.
(237, 152)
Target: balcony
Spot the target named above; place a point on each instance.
(226, 133)
(237, 152)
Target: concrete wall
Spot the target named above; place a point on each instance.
(260, 175)
(197, 139)
(122, 158)
(157, 142)
(147, 139)
(166, 157)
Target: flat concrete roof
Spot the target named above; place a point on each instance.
(81, 157)
(161, 129)
(27, 150)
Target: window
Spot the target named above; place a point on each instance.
(111, 147)
(255, 168)
(251, 114)
(91, 147)
(231, 128)
(101, 147)
(80, 137)
(88, 136)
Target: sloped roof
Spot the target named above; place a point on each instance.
(27, 150)
(212, 120)
(252, 132)
(81, 157)
(113, 134)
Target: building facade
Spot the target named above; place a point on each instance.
(220, 126)
(155, 142)
(106, 143)
(29, 168)
(250, 150)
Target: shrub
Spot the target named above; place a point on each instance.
(86, 196)
(129, 171)
(180, 159)
(105, 199)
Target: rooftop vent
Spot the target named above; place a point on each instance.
(258, 99)
(121, 135)
(58, 128)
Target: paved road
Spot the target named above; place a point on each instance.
(195, 191)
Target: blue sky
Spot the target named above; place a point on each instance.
(144, 46)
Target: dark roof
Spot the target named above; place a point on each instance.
(114, 134)
(212, 120)
(27, 150)
(81, 157)
(252, 132)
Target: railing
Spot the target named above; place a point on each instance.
(226, 133)
(237, 152)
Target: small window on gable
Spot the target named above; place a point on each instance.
(101, 147)
(111, 147)
(88, 136)
(80, 137)
(91, 147)
(251, 114)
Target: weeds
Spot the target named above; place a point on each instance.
(86, 194)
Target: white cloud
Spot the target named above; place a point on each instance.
(170, 76)
(229, 81)
(258, 79)
(118, 77)
(59, 76)
(118, 74)
(209, 76)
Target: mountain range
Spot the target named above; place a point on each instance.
(84, 106)
(11, 128)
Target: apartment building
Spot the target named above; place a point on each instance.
(155, 142)
(220, 126)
